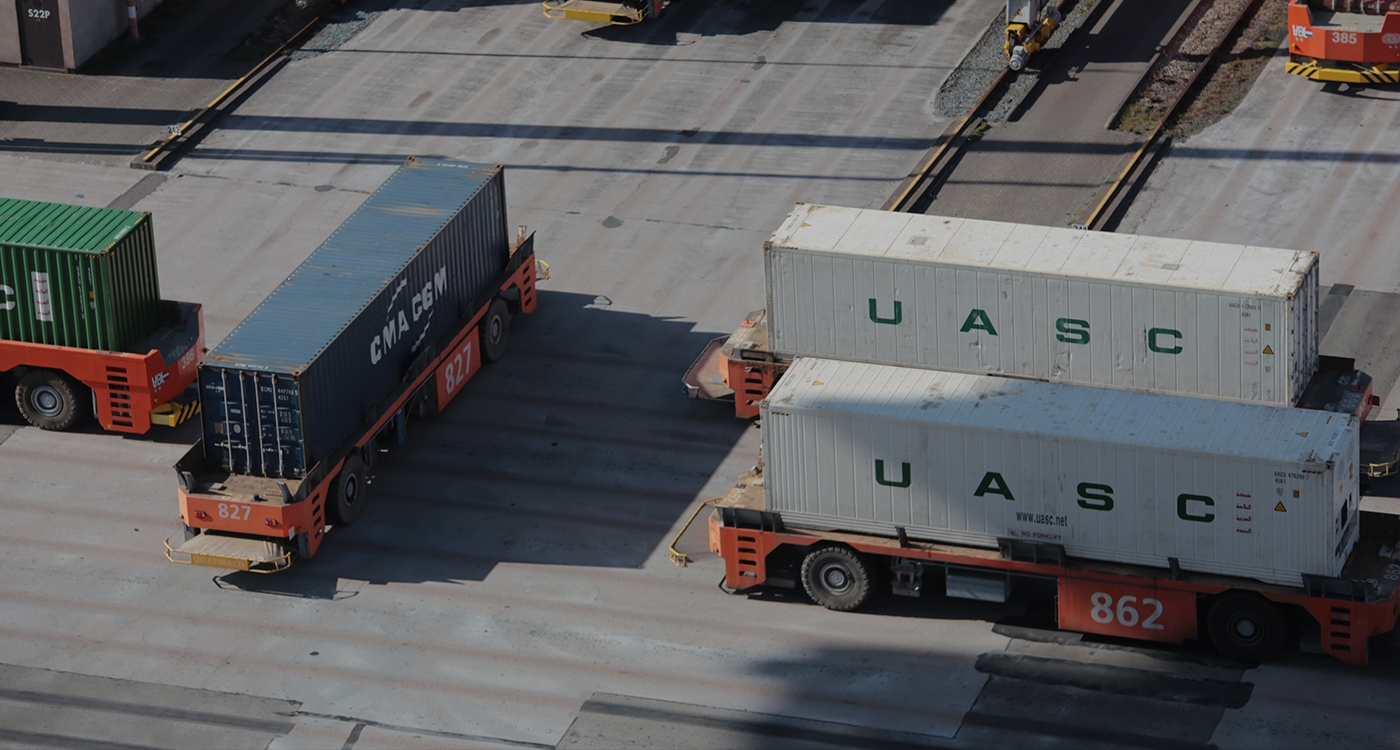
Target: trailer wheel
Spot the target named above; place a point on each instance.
(495, 331)
(348, 498)
(837, 578)
(49, 400)
(1247, 626)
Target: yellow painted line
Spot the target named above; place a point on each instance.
(224, 95)
(1151, 139)
(927, 166)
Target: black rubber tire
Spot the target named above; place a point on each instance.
(1247, 626)
(837, 578)
(50, 400)
(495, 331)
(348, 497)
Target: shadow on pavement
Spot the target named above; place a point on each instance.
(578, 448)
(742, 17)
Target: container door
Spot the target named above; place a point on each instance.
(40, 38)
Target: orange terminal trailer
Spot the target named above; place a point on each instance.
(1345, 41)
(261, 524)
(130, 391)
(1244, 618)
(399, 309)
(83, 327)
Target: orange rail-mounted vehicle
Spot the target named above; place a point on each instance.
(83, 329)
(389, 318)
(1345, 41)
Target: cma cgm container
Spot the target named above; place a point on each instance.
(1094, 308)
(1223, 487)
(313, 360)
(76, 276)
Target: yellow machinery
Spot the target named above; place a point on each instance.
(1029, 25)
(619, 13)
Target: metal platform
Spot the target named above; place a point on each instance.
(705, 378)
(216, 550)
(593, 11)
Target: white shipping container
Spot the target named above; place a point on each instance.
(1225, 487)
(1095, 308)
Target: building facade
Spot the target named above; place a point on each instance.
(62, 34)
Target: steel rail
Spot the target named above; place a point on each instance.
(1096, 218)
(181, 129)
(956, 139)
(902, 201)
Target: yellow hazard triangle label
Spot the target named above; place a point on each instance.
(1268, 349)
(1280, 507)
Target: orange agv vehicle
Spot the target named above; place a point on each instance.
(1345, 41)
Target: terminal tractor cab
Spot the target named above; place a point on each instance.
(1029, 25)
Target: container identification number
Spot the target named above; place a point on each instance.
(455, 373)
(231, 511)
(1103, 611)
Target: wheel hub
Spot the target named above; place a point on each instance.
(1245, 629)
(836, 579)
(46, 400)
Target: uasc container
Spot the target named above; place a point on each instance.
(1224, 487)
(315, 358)
(76, 276)
(1095, 308)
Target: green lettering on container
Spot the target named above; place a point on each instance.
(880, 475)
(1185, 514)
(1152, 343)
(977, 319)
(1095, 496)
(894, 321)
(994, 484)
(1072, 331)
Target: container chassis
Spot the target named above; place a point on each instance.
(130, 391)
(1245, 619)
(262, 524)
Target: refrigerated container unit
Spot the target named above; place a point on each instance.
(1211, 486)
(1174, 316)
(310, 364)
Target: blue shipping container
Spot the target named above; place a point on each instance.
(312, 363)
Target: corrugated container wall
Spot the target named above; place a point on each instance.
(315, 358)
(1095, 308)
(76, 275)
(1229, 488)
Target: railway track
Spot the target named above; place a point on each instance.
(950, 178)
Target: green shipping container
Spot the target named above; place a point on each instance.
(76, 276)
